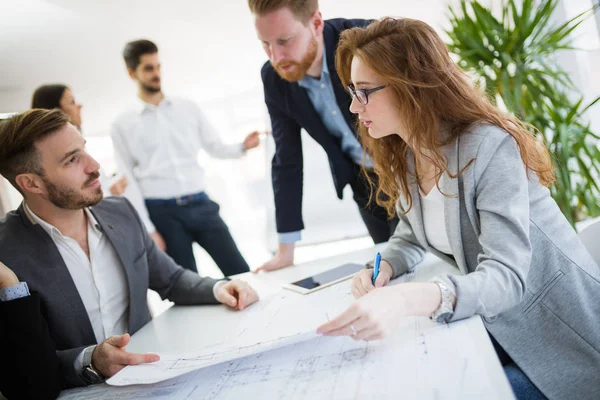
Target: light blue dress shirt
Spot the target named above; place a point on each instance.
(14, 292)
(321, 94)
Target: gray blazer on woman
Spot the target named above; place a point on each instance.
(524, 269)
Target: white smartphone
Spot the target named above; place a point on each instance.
(324, 279)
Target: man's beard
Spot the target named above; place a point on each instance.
(69, 199)
(302, 67)
(151, 89)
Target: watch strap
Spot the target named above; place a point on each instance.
(87, 356)
(445, 310)
(90, 374)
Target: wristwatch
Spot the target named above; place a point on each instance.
(445, 311)
(89, 374)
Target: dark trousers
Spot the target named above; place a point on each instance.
(521, 385)
(375, 217)
(198, 221)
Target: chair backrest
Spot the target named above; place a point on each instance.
(590, 236)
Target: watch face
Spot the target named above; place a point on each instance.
(90, 376)
(444, 316)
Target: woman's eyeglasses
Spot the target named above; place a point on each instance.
(363, 94)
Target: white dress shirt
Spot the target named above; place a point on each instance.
(100, 279)
(434, 221)
(158, 148)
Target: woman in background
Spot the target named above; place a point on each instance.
(469, 184)
(60, 96)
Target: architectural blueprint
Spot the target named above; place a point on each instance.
(422, 361)
(279, 320)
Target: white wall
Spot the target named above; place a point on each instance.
(209, 49)
(582, 64)
(210, 54)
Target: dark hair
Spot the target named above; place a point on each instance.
(133, 51)
(18, 135)
(48, 96)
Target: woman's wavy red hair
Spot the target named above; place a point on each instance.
(431, 91)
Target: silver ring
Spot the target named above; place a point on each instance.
(353, 330)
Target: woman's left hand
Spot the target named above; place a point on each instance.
(370, 317)
(375, 314)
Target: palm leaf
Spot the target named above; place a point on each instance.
(521, 37)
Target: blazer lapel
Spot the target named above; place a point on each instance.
(342, 97)
(119, 236)
(301, 105)
(58, 274)
(450, 187)
(303, 108)
(119, 242)
(415, 215)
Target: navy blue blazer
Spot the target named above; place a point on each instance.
(290, 109)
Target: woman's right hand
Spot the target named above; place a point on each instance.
(362, 283)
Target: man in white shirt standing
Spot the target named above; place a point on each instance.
(158, 143)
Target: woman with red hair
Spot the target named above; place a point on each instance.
(469, 183)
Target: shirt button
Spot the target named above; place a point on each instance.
(322, 86)
(345, 133)
(334, 112)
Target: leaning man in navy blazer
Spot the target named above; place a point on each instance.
(303, 90)
(90, 260)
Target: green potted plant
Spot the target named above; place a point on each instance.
(511, 54)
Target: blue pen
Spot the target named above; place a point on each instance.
(376, 267)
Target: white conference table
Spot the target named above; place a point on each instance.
(182, 329)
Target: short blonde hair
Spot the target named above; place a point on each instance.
(302, 9)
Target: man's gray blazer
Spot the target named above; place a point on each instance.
(35, 259)
(524, 269)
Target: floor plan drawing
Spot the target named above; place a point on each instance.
(274, 353)
(406, 365)
(279, 320)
